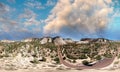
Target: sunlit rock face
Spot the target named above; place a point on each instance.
(100, 40)
(46, 40)
(82, 42)
(27, 40)
(49, 39)
(58, 41)
(7, 41)
(68, 40)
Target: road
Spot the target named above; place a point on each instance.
(100, 64)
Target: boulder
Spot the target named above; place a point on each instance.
(46, 40)
(68, 40)
(58, 41)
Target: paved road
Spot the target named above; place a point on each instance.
(100, 64)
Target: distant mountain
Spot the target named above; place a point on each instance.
(61, 41)
(95, 39)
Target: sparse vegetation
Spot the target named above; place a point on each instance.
(108, 55)
(83, 56)
(70, 52)
(85, 62)
(44, 59)
(57, 60)
(35, 61)
(98, 57)
(116, 62)
(119, 56)
(74, 61)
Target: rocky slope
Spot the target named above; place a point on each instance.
(42, 52)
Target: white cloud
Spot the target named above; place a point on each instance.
(50, 2)
(7, 24)
(31, 21)
(29, 18)
(27, 14)
(87, 16)
(108, 1)
(116, 13)
(34, 4)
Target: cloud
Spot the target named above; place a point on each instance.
(6, 22)
(21, 22)
(34, 4)
(4, 8)
(116, 13)
(50, 3)
(11, 1)
(81, 16)
(30, 17)
(29, 20)
(27, 14)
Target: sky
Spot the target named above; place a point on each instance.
(21, 19)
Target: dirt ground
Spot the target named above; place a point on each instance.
(51, 70)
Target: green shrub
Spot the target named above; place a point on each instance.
(98, 57)
(83, 56)
(119, 56)
(74, 61)
(108, 55)
(71, 57)
(57, 60)
(85, 62)
(44, 59)
(35, 61)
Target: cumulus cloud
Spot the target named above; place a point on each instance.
(83, 16)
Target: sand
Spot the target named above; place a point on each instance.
(52, 70)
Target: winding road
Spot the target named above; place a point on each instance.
(100, 64)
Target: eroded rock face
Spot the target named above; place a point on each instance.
(82, 42)
(100, 40)
(58, 41)
(27, 40)
(68, 40)
(46, 40)
(95, 39)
